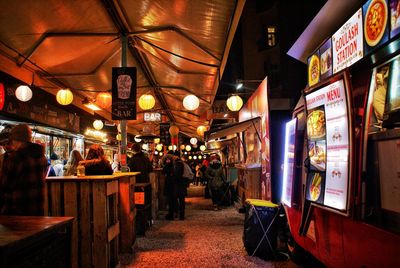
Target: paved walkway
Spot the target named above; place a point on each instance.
(206, 238)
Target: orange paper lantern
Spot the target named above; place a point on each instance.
(104, 100)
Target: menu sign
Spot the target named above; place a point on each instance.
(347, 43)
(328, 146)
(326, 59)
(314, 68)
(289, 162)
(376, 26)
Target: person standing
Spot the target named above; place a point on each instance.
(141, 163)
(168, 171)
(96, 163)
(22, 189)
(74, 158)
(179, 184)
(216, 179)
(116, 166)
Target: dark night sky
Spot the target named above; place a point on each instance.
(293, 18)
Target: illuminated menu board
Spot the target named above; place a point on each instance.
(328, 146)
(289, 162)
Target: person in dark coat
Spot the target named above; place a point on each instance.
(141, 163)
(168, 171)
(179, 185)
(96, 162)
(22, 189)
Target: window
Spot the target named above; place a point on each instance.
(271, 36)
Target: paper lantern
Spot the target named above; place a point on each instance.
(145, 146)
(147, 101)
(104, 100)
(182, 147)
(174, 130)
(64, 97)
(191, 102)
(157, 140)
(23, 93)
(200, 157)
(202, 148)
(195, 157)
(159, 147)
(156, 152)
(118, 137)
(201, 130)
(190, 157)
(188, 148)
(234, 103)
(161, 153)
(98, 124)
(137, 139)
(193, 141)
(170, 147)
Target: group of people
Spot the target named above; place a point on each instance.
(176, 183)
(24, 167)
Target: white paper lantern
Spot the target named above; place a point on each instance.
(145, 146)
(190, 157)
(188, 148)
(191, 102)
(23, 93)
(195, 157)
(159, 147)
(200, 157)
(234, 103)
(157, 140)
(193, 141)
(98, 124)
(202, 148)
(137, 139)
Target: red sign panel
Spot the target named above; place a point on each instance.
(2, 96)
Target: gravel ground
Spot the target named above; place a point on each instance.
(206, 238)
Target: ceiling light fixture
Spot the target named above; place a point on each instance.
(90, 105)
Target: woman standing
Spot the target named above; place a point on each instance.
(216, 179)
(96, 163)
(73, 161)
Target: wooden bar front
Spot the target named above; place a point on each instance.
(103, 209)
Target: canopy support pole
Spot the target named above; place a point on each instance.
(124, 166)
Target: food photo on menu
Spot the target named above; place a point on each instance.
(317, 154)
(316, 128)
(315, 187)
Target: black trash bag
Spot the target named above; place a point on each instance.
(253, 232)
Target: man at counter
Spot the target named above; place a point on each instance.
(24, 169)
(141, 163)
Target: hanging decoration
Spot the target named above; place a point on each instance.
(137, 139)
(146, 102)
(64, 96)
(173, 130)
(118, 137)
(188, 148)
(191, 102)
(200, 130)
(193, 141)
(202, 148)
(182, 147)
(234, 103)
(195, 157)
(104, 100)
(157, 140)
(98, 124)
(23, 93)
(159, 147)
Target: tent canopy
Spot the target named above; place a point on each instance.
(179, 47)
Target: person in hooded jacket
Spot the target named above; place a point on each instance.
(22, 189)
(141, 163)
(216, 180)
(96, 162)
(168, 171)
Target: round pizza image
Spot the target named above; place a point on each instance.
(313, 70)
(375, 22)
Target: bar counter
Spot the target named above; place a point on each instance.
(104, 211)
